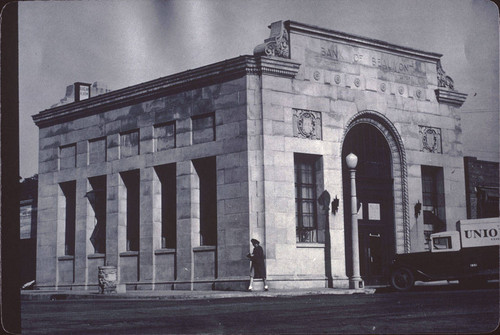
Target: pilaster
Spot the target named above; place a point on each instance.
(149, 236)
(188, 223)
(116, 220)
(81, 232)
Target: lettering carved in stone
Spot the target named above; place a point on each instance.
(307, 124)
(430, 139)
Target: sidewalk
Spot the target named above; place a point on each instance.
(34, 295)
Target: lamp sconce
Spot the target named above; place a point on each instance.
(335, 205)
(418, 208)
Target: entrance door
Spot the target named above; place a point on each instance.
(375, 202)
(375, 225)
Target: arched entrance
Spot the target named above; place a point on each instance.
(375, 193)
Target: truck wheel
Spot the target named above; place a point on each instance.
(402, 279)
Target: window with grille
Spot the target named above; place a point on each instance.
(305, 198)
(433, 201)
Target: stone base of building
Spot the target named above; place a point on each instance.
(239, 283)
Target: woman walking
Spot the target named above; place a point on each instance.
(258, 267)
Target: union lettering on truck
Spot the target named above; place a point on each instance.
(481, 233)
(476, 234)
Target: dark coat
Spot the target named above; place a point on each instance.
(258, 264)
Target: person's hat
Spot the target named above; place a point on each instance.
(254, 241)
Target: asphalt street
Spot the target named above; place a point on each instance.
(435, 309)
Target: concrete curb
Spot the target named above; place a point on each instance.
(180, 295)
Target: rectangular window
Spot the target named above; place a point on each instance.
(168, 179)
(306, 211)
(442, 242)
(97, 200)
(69, 192)
(129, 144)
(433, 205)
(203, 128)
(67, 157)
(97, 150)
(164, 136)
(206, 169)
(131, 180)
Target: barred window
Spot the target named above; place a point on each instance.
(305, 198)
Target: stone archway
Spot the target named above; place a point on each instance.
(390, 185)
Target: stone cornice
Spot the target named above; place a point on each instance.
(333, 35)
(450, 97)
(281, 67)
(206, 75)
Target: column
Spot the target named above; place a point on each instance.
(46, 249)
(150, 228)
(116, 222)
(81, 233)
(188, 223)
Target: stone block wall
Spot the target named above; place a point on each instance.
(343, 87)
(117, 140)
(342, 80)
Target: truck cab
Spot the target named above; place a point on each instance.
(445, 242)
(470, 255)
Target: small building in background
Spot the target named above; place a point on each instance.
(481, 185)
(28, 217)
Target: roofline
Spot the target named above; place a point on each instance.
(206, 75)
(294, 26)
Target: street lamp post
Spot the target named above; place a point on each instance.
(355, 282)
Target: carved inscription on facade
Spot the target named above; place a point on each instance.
(430, 139)
(307, 124)
(392, 67)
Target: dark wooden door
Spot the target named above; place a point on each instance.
(375, 224)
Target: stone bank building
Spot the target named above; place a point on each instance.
(169, 180)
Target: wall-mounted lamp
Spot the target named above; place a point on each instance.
(335, 205)
(418, 208)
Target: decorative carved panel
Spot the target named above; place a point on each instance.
(430, 139)
(277, 44)
(444, 80)
(307, 124)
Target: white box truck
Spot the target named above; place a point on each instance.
(470, 254)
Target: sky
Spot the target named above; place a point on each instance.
(127, 42)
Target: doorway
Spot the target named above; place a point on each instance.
(374, 188)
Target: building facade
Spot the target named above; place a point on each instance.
(169, 180)
(481, 186)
